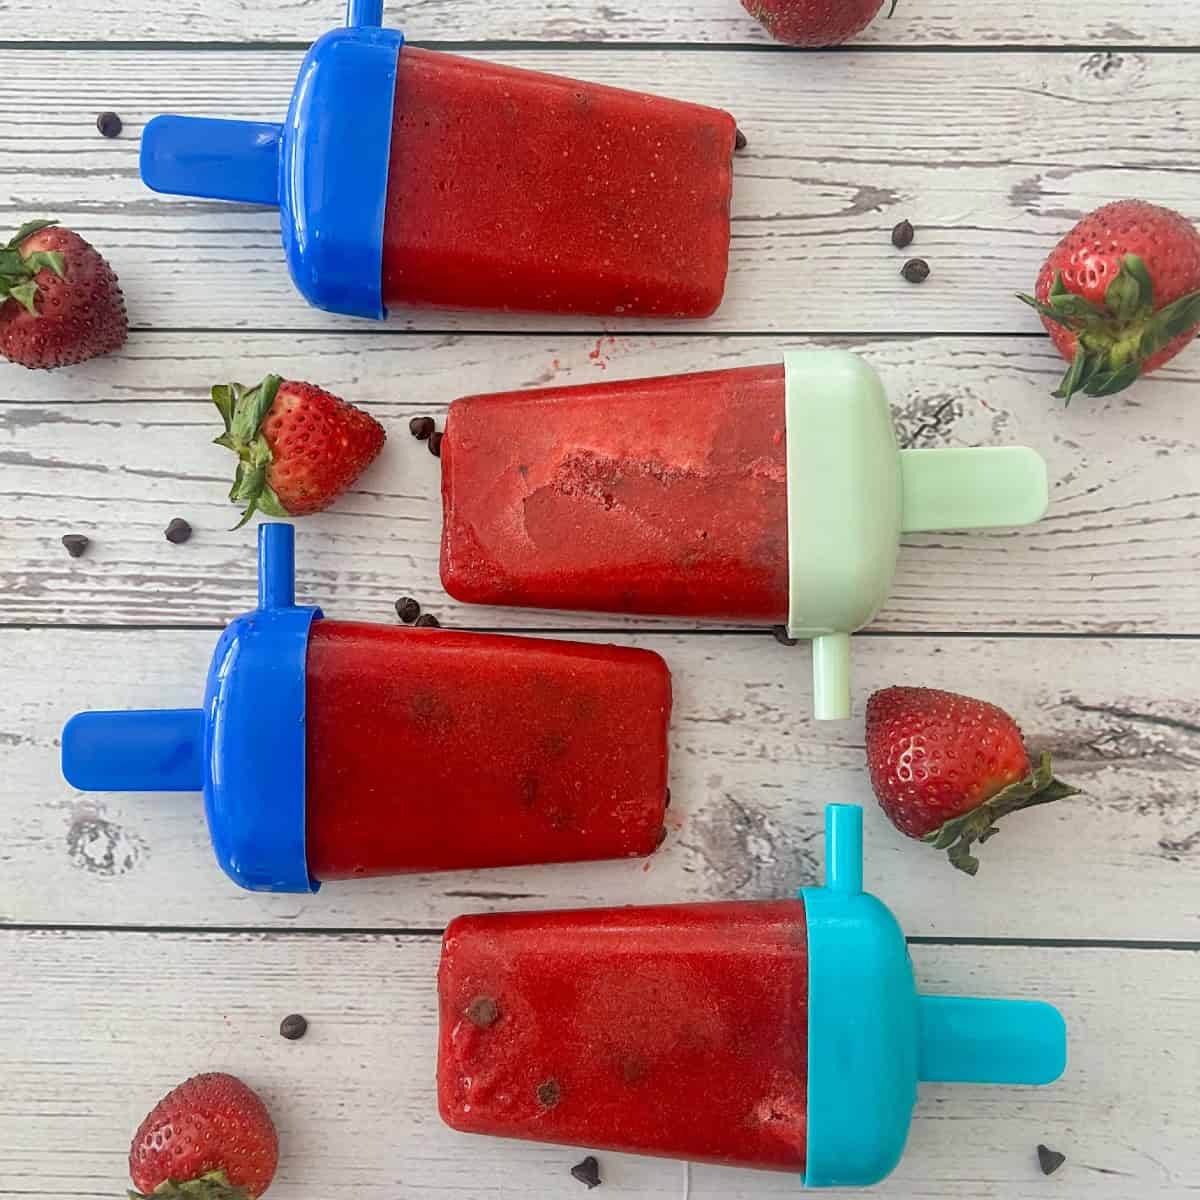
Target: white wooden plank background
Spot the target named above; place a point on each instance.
(941, 23)
(140, 450)
(128, 960)
(215, 999)
(750, 774)
(842, 146)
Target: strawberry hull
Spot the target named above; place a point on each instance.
(510, 189)
(664, 496)
(678, 1031)
(430, 750)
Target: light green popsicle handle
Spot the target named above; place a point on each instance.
(976, 488)
(831, 677)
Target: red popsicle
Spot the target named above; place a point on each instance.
(651, 496)
(431, 750)
(679, 1030)
(511, 189)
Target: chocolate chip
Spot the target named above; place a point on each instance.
(293, 1027)
(178, 531)
(780, 634)
(549, 1093)
(739, 143)
(482, 1011)
(903, 235)
(435, 445)
(427, 621)
(109, 124)
(76, 544)
(407, 609)
(587, 1172)
(422, 428)
(1049, 1160)
(916, 270)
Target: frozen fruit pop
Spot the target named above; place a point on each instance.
(784, 1035)
(406, 176)
(330, 750)
(772, 494)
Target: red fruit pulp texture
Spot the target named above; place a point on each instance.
(510, 189)
(1089, 258)
(652, 496)
(431, 750)
(679, 1031)
(813, 23)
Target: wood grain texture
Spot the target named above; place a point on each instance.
(749, 776)
(117, 447)
(715, 22)
(88, 1046)
(842, 146)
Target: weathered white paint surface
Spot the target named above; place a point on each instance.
(85, 1056)
(842, 146)
(1114, 555)
(990, 126)
(943, 23)
(750, 774)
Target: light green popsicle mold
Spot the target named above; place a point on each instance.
(852, 492)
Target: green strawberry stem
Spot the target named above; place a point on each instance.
(213, 1186)
(1115, 339)
(243, 411)
(18, 272)
(958, 834)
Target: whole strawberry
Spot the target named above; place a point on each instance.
(814, 23)
(946, 768)
(59, 300)
(298, 447)
(1120, 295)
(210, 1138)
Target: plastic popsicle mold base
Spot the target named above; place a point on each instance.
(325, 167)
(245, 749)
(852, 492)
(871, 1037)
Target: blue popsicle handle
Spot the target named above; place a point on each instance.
(154, 751)
(364, 12)
(276, 565)
(218, 160)
(990, 1041)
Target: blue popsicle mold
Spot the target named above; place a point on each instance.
(872, 1038)
(245, 749)
(325, 167)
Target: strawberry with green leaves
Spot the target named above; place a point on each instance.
(60, 302)
(1120, 295)
(298, 447)
(211, 1138)
(946, 768)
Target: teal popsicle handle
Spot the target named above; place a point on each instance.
(990, 1041)
(975, 488)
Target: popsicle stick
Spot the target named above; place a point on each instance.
(989, 197)
(355, 1103)
(750, 775)
(119, 446)
(715, 22)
